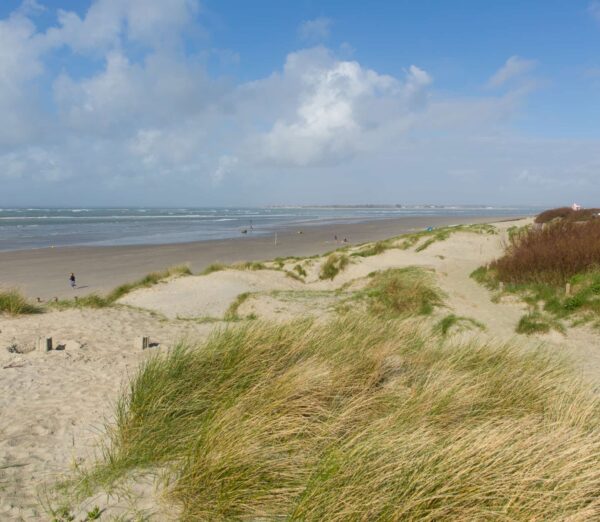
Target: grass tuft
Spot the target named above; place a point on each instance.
(451, 321)
(12, 302)
(373, 249)
(333, 265)
(214, 267)
(232, 312)
(538, 323)
(401, 291)
(359, 419)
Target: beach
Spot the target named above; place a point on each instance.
(55, 404)
(44, 272)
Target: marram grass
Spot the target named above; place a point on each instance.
(358, 419)
(12, 302)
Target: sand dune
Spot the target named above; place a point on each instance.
(53, 405)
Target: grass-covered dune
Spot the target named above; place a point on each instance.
(12, 302)
(539, 263)
(551, 255)
(567, 214)
(358, 419)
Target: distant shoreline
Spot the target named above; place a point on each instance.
(28, 229)
(43, 272)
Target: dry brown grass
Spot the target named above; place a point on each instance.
(359, 419)
(551, 255)
(567, 214)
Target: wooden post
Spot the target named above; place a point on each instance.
(44, 344)
(141, 343)
(568, 289)
(501, 286)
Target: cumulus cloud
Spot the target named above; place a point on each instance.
(315, 30)
(338, 106)
(514, 67)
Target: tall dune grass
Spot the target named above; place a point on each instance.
(333, 265)
(359, 419)
(12, 302)
(399, 292)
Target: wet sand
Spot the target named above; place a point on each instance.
(44, 272)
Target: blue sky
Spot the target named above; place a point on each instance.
(146, 102)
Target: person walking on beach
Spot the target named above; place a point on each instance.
(72, 279)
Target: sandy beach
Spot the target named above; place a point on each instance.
(44, 272)
(54, 405)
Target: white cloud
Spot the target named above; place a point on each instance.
(337, 104)
(107, 23)
(316, 30)
(156, 124)
(31, 8)
(514, 67)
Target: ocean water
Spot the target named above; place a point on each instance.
(22, 229)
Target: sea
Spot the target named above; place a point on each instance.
(30, 228)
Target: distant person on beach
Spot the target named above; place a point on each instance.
(345, 240)
(72, 279)
(335, 238)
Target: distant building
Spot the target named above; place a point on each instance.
(575, 206)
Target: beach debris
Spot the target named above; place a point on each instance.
(141, 343)
(44, 344)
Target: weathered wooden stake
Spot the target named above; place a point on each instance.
(141, 343)
(501, 286)
(45, 344)
(568, 289)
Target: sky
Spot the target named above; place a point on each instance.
(244, 103)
